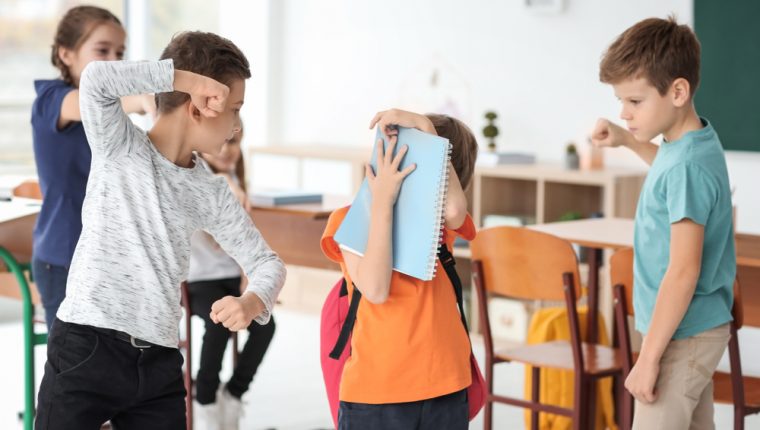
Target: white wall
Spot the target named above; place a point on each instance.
(328, 66)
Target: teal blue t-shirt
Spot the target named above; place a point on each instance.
(688, 179)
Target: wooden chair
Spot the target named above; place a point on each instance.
(29, 189)
(528, 265)
(728, 387)
(734, 387)
(22, 272)
(621, 276)
(186, 345)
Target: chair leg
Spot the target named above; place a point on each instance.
(624, 404)
(580, 403)
(591, 385)
(488, 407)
(535, 395)
(189, 396)
(488, 414)
(235, 350)
(739, 414)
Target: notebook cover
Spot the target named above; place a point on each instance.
(418, 212)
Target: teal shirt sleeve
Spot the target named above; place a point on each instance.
(690, 192)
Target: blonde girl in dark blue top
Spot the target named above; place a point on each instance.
(61, 152)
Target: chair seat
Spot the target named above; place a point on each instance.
(597, 359)
(723, 389)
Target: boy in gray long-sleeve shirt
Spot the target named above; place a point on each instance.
(113, 348)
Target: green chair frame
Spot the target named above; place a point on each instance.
(31, 339)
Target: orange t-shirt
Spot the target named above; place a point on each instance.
(412, 347)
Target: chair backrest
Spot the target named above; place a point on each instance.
(621, 273)
(525, 264)
(28, 189)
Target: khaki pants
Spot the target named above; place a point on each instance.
(684, 387)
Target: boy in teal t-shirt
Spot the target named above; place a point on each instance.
(684, 257)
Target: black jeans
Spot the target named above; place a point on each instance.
(448, 412)
(91, 376)
(202, 295)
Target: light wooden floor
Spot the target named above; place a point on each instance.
(290, 377)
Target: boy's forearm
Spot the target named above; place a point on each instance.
(185, 81)
(133, 104)
(647, 151)
(374, 271)
(103, 84)
(423, 123)
(676, 291)
(112, 80)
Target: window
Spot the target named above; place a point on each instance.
(165, 18)
(27, 28)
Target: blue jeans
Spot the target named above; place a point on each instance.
(51, 284)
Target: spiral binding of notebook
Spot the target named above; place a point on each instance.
(443, 191)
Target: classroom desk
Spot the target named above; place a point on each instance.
(614, 233)
(747, 250)
(294, 231)
(748, 271)
(597, 234)
(17, 218)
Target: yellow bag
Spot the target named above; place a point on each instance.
(557, 385)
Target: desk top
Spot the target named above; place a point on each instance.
(308, 210)
(592, 232)
(18, 207)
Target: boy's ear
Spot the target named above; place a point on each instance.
(681, 92)
(193, 112)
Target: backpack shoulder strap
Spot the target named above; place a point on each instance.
(447, 260)
(348, 324)
(449, 264)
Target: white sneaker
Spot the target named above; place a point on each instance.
(207, 417)
(231, 409)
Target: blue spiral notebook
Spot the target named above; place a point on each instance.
(418, 214)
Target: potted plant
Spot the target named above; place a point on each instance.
(572, 161)
(490, 131)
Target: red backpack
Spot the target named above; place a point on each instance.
(338, 317)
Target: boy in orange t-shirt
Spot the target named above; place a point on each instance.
(409, 366)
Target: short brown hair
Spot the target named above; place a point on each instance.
(206, 54)
(464, 146)
(73, 30)
(659, 50)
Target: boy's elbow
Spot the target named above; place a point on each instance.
(685, 274)
(376, 298)
(283, 268)
(375, 293)
(455, 216)
(89, 69)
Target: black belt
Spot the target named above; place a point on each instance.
(126, 337)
